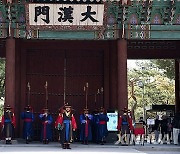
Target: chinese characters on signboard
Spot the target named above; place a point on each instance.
(66, 14)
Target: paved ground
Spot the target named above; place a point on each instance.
(53, 147)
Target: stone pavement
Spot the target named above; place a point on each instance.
(19, 147)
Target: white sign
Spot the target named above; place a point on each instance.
(150, 121)
(66, 14)
(113, 121)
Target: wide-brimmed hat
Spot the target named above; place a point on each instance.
(86, 110)
(45, 109)
(28, 107)
(102, 109)
(125, 110)
(8, 107)
(67, 106)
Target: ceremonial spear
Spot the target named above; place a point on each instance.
(29, 92)
(46, 92)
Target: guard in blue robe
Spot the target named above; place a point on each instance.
(46, 130)
(103, 119)
(28, 118)
(86, 120)
(95, 127)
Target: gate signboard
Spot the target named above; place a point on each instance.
(65, 15)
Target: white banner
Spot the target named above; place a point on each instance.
(66, 14)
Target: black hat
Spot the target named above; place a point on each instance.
(85, 109)
(28, 107)
(45, 109)
(67, 106)
(8, 107)
(102, 109)
(125, 110)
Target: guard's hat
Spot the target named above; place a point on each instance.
(86, 110)
(102, 109)
(45, 109)
(8, 107)
(28, 107)
(125, 110)
(67, 106)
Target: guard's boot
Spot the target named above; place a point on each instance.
(86, 142)
(27, 141)
(68, 146)
(64, 146)
(44, 141)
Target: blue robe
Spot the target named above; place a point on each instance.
(103, 118)
(46, 130)
(85, 130)
(95, 128)
(28, 118)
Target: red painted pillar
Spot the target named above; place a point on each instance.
(10, 73)
(122, 74)
(177, 85)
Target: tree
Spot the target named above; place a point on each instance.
(151, 86)
(2, 78)
(2, 84)
(167, 65)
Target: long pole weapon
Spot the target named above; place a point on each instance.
(65, 81)
(102, 91)
(86, 94)
(29, 92)
(46, 88)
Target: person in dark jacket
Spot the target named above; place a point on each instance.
(176, 128)
(164, 129)
(156, 129)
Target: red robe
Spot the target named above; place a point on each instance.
(129, 122)
(60, 120)
(13, 120)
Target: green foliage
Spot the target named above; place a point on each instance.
(2, 78)
(2, 84)
(151, 86)
(168, 66)
(1, 110)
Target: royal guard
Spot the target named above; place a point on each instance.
(8, 123)
(95, 126)
(103, 119)
(86, 120)
(67, 124)
(125, 125)
(28, 118)
(58, 126)
(46, 131)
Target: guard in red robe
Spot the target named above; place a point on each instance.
(125, 125)
(8, 123)
(66, 123)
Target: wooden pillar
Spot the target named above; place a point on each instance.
(113, 75)
(177, 85)
(122, 74)
(10, 73)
